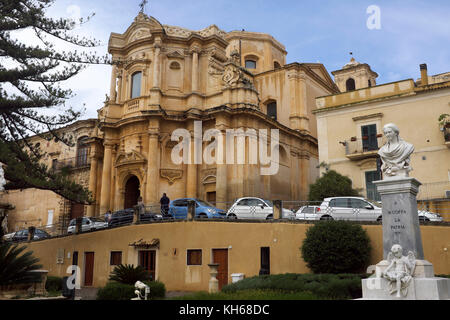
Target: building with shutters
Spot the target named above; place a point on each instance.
(350, 129)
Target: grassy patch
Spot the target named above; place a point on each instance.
(323, 286)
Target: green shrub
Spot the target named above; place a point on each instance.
(336, 247)
(323, 286)
(331, 184)
(16, 264)
(129, 274)
(53, 284)
(121, 291)
(157, 289)
(116, 291)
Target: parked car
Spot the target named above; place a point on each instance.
(8, 236)
(255, 208)
(308, 213)
(358, 208)
(88, 224)
(125, 216)
(430, 216)
(22, 235)
(178, 209)
(349, 208)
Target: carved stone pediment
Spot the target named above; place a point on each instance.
(139, 34)
(129, 158)
(236, 77)
(175, 55)
(209, 176)
(171, 174)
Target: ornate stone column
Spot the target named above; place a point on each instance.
(156, 64)
(221, 172)
(93, 183)
(298, 118)
(191, 182)
(152, 185)
(112, 90)
(304, 175)
(113, 178)
(106, 178)
(195, 51)
(120, 86)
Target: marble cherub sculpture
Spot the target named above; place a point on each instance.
(400, 270)
(395, 154)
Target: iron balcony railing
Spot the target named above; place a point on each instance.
(71, 163)
(366, 144)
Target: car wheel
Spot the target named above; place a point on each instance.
(269, 217)
(380, 219)
(202, 216)
(232, 216)
(326, 218)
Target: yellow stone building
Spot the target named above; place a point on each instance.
(165, 78)
(33, 207)
(351, 123)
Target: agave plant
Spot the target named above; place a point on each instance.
(15, 267)
(129, 274)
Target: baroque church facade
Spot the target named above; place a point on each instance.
(166, 78)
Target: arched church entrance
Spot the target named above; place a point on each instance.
(132, 192)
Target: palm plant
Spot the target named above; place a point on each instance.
(15, 267)
(129, 274)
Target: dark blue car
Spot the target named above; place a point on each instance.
(179, 209)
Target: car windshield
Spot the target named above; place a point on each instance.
(204, 203)
(269, 203)
(378, 204)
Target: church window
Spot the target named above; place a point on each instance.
(272, 110)
(136, 79)
(350, 84)
(250, 64)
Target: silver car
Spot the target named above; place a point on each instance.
(88, 224)
(360, 209)
(308, 213)
(255, 208)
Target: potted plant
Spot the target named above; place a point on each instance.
(444, 120)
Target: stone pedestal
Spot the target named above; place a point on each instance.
(419, 289)
(400, 216)
(401, 227)
(277, 209)
(191, 210)
(213, 282)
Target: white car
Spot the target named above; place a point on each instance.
(255, 208)
(88, 224)
(360, 209)
(308, 213)
(8, 236)
(349, 208)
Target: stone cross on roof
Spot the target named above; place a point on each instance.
(142, 5)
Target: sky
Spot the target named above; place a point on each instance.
(393, 37)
